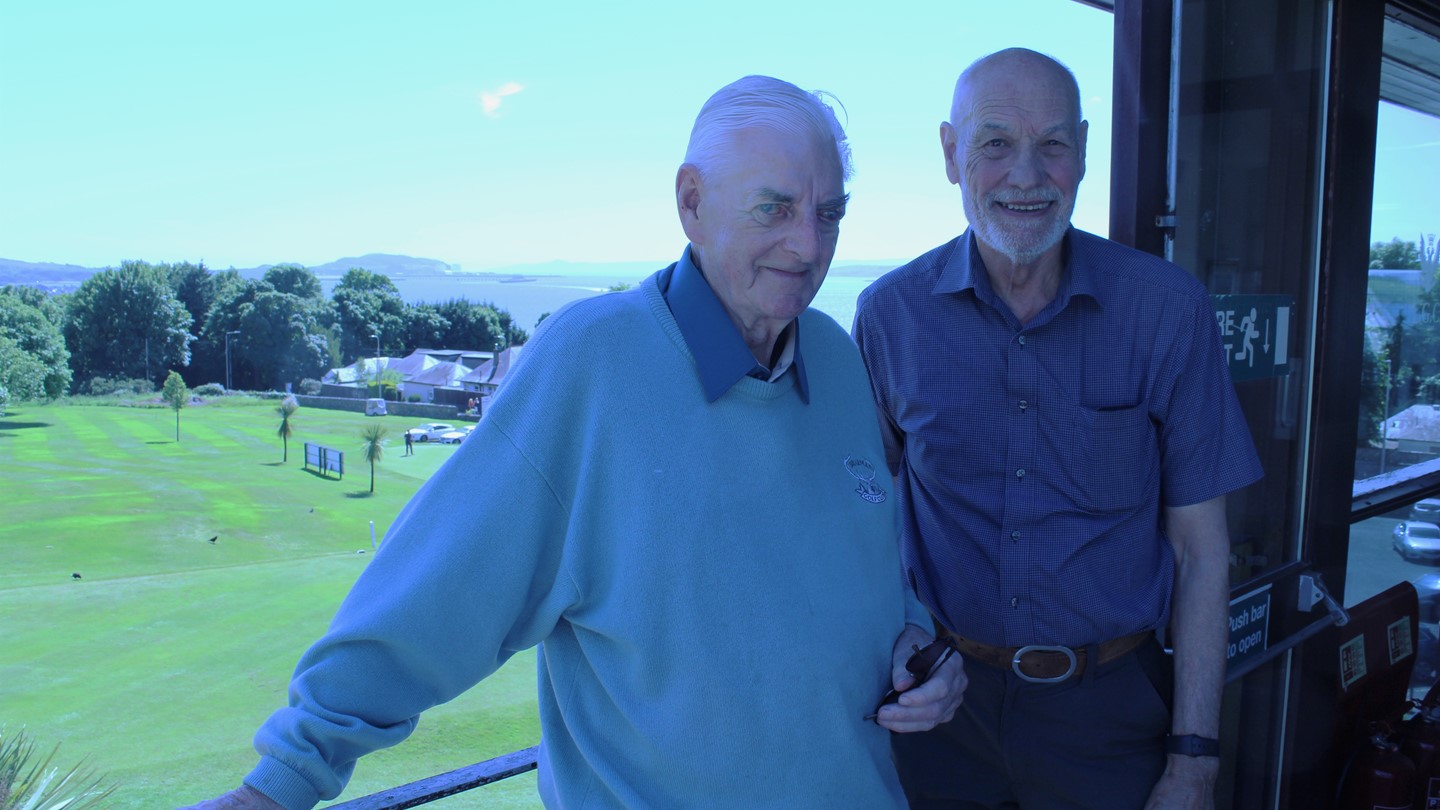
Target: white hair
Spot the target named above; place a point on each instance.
(762, 101)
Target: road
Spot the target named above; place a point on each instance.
(1373, 564)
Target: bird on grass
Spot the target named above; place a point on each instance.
(75, 576)
(216, 537)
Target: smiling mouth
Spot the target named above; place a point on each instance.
(1025, 208)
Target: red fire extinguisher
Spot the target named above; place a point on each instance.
(1378, 777)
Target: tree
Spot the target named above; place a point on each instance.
(207, 361)
(36, 363)
(282, 337)
(425, 326)
(194, 287)
(373, 437)
(177, 395)
(1394, 255)
(286, 410)
(470, 326)
(296, 280)
(366, 302)
(127, 322)
(22, 376)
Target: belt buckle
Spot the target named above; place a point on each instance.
(1029, 648)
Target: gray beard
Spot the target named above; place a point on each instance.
(1020, 248)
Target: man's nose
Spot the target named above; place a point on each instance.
(804, 237)
(1028, 169)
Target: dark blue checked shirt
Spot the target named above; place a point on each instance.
(1036, 458)
(721, 355)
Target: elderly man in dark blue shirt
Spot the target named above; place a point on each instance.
(1064, 431)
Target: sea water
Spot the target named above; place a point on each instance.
(528, 300)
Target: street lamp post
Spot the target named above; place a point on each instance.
(228, 335)
(376, 336)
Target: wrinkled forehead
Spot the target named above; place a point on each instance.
(778, 157)
(1018, 114)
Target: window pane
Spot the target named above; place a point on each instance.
(1399, 424)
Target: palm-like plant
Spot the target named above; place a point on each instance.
(373, 437)
(29, 785)
(286, 410)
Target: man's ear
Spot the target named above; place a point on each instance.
(688, 188)
(1084, 134)
(947, 145)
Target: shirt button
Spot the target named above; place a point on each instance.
(1021, 339)
(1015, 536)
(1024, 404)
(1020, 473)
(1014, 601)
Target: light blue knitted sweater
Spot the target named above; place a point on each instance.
(715, 587)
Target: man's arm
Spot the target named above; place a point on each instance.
(1198, 632)
(241, 798)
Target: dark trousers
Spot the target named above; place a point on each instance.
(1095, 741)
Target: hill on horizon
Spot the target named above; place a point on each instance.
(58, 277)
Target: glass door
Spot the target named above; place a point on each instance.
(1243, 213)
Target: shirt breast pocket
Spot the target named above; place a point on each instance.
(1117, 465)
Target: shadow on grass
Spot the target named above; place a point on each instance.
(11, 424)
(272, 464)
(321, 475)
(164, 441)
(364, 493)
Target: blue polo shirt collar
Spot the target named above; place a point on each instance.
(722, 357)
(964, 270)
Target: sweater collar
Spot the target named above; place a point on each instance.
(722, 357)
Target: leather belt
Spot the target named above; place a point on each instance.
(1045, 663)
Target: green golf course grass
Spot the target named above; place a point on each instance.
(158, 664)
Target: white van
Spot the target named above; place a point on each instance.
(374, 407)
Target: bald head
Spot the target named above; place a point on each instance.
(1014, 67)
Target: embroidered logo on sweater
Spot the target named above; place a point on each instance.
(864, 472)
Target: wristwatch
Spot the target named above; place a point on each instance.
(1192, 745)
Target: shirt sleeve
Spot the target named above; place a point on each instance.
(465, 578)
(1205, 445)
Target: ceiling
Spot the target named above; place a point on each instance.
(1410, 64)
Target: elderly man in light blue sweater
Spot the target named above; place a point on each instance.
(688, 513)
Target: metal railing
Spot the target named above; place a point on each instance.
(440, 786)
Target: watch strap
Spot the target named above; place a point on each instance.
(1192, 745)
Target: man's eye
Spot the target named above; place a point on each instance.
(831, 214)
(769, 212)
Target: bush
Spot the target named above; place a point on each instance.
(412, 397)
(209, 390)
(310, 387)
(106, 386)
(28, 779)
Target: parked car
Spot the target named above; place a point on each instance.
(1417, 541)
(1426, 509)
(456, 436)
(430, 431)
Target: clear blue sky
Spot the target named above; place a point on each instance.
(263, 132)
(1407, 175)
